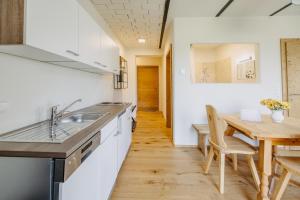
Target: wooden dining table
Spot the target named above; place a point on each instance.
(269, 134)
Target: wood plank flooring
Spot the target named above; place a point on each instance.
(155, 170)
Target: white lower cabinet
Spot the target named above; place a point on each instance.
(95, 178)
(124, 137)
(85, 181)
(113, 152)
(108, 166)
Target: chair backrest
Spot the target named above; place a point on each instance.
(216, 127)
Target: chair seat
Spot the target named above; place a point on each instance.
(235, 145)
(283, 151)
(291, 164)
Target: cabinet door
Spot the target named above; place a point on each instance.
(89, 38)
(84, 183)
(52, 25)
(128, 128)
(100, 52)
(124, 138)
(108, 166)
(105, 51)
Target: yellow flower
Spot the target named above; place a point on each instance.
(275, 104)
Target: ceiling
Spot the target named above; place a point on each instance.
(239, 8)
(134, 19)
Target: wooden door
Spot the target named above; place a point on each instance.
(169, 89)
(291, 74)
(147, 88)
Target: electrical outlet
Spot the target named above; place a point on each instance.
(3, 106)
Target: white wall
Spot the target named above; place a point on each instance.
(190, 99)
(130, 94)
(30, 88)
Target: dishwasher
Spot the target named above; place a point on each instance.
(76, 177)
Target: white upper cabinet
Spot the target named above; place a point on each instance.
(52, 25)
(110, 54)
(59, 32)
(89, 38)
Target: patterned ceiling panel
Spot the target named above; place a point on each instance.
(133, 19)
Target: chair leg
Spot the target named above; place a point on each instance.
(281, 185)
(222, 171)
(275, 167)
(203, 145)
(254, 172)
(235, 161)
(210, 158)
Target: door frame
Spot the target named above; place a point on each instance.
(284, 74)
(137, 83)
(169, 90)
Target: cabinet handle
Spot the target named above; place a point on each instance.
(97, 63)
(72, 52)
(100, 64)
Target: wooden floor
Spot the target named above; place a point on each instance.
(155, 170)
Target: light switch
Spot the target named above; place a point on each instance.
(182, 71)
(3, 106)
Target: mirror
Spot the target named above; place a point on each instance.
(224, 63)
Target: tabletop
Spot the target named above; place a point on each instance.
(288, 129)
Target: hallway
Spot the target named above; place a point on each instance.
(155, 170)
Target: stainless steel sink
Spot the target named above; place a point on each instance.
(80, 118)
(41, 132)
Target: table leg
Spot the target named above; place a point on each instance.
(265, 167)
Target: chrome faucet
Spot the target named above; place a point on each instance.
(56, 116)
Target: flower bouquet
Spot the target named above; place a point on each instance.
(277, 108)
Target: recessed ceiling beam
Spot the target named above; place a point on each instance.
(224, 8)
(166, 10)
(281, 9)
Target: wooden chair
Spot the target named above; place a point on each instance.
(224, 145)
(290, 166)
(281, 151)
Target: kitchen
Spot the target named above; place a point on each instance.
(70, 96)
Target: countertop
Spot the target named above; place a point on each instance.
(63, 150)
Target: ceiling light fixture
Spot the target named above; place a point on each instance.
(141, 40)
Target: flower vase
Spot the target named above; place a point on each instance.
(277, 116)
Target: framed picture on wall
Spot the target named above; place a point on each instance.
(246, 70)
(224, 63)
